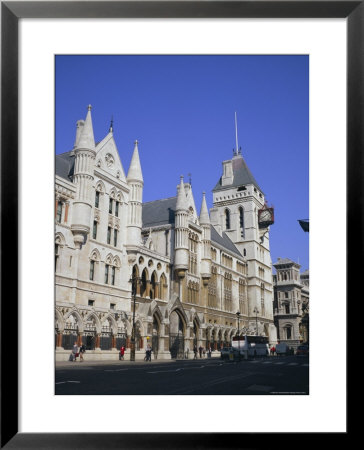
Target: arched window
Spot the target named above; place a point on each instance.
(92, 270)
(163, 287)
(227, 219)
(241, 222)
(143, 286)
(153, 286)
(97, 199)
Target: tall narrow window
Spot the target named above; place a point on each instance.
(227, 219)
(59, 212)
(241, 219)
(108, 235)
(94, 230)
(113, 275)
(115, 237)
(92, 270)
(117, 209)
(56, 256)
(110, 205)
(106, 274)
(97, 199)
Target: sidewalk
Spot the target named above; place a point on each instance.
(127, 362)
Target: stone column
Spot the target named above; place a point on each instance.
(97, 345)
(156, 292)
(59, 338)
(66, 212)
(138, 287)
(79, 338)
(147, 289)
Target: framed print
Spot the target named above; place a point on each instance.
(43, 35)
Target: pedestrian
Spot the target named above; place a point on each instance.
(195, 352)
(200, 351)
(75, 351)
(273, 351)
(187, 352)
(121, 353)
(82, 351)
(209, 352)
(148, 353)
(204, 352)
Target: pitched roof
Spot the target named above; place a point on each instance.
(241, 175)
(223, 241)
(65, 165)
(285, 261)
(161, 212)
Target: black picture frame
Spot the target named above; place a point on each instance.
(11, 12)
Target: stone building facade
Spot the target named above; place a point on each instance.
(291, 302)
(192, 272)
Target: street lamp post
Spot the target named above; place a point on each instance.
(133, 282)
(256, 312)
(238, 315)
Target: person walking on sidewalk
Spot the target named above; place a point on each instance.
(195, 352)
(75, 351)
(82, 351)
(121, 353)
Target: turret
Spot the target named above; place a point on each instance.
(206, 242)
(181, 232)
(85, 154)
(136, 183)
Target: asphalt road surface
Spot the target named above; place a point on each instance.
(264, 376)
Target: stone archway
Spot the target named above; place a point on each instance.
(176, 334)
(155, 335)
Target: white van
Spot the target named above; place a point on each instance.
(282, 349)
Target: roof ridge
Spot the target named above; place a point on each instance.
(159, 200)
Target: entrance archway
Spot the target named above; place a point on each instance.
(176, 335)
(155, 336)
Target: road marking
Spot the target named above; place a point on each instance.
(305, 365)
(293, 364)
(267, 362)
(114, 370)
(279, 363)
(165, 371)
(63, 382)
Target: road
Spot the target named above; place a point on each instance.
(265, 376)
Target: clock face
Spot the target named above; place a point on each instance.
(265, 218)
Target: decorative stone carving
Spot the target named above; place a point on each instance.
(109, 160)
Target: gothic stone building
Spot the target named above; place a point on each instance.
(291, 302)
(193, 272)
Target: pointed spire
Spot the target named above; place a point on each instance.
(181, 197)
(87, 135)
(111, 124)
(204, 213)
(135, 170)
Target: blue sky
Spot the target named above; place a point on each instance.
(181, 110)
